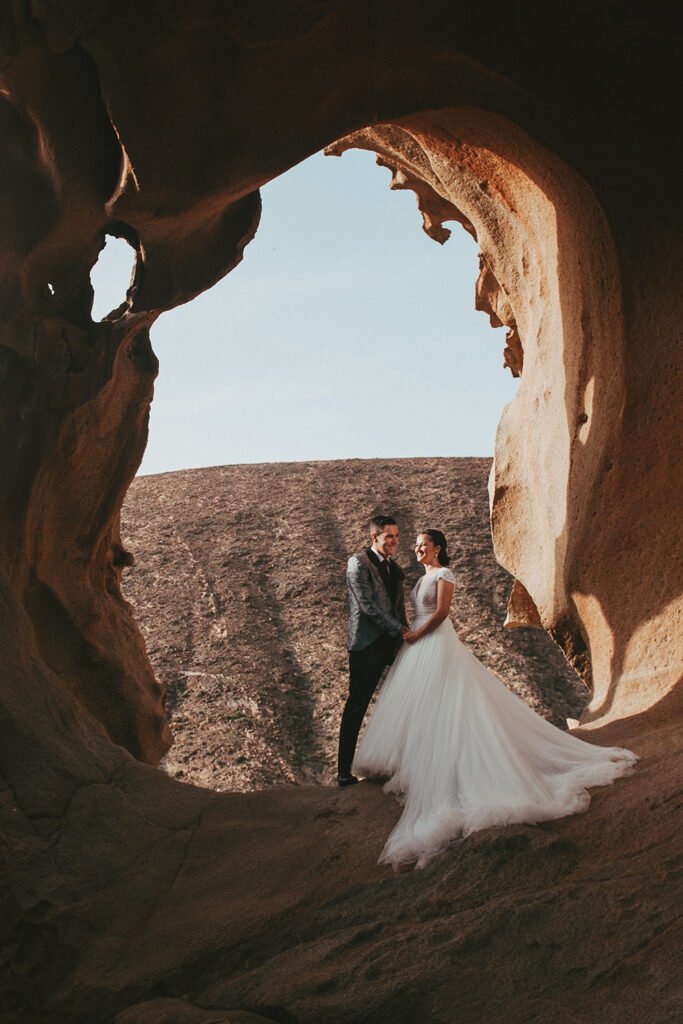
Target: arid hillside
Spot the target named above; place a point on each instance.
(239, 587)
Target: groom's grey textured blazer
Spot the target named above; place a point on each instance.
(374, 612)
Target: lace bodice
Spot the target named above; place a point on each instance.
(423, 595)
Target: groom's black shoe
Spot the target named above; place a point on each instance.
(346, 779)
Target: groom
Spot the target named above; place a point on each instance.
(377, 621)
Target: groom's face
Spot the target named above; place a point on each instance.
(386, 542)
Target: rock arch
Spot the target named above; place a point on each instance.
(546, 129)
(555, 261)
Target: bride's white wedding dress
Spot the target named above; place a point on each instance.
(463, 752)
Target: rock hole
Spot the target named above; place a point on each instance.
(111, 276)
(340, 289)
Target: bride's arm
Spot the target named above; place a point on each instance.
(444, 594)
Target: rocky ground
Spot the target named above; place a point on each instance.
(239, 588)
(144, 900)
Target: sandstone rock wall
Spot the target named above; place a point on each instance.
(532, 136)
(547, 130)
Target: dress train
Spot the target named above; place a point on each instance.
(464, 753)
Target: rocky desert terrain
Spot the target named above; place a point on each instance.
(239, 588)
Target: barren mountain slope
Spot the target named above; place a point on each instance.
(239, 587)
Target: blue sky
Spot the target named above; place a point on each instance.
(345, 333)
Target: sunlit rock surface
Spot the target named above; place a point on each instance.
(239, 587)
(547, 131)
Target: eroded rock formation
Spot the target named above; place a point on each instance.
(545, 130)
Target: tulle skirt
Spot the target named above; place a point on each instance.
(464, 753)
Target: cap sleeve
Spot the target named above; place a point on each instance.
(445, 574)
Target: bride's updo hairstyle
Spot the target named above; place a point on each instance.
(441, 542)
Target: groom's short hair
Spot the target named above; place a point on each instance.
(378, 523)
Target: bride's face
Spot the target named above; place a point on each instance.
(426, 551)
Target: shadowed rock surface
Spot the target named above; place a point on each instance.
(148, 889)
(239, 588)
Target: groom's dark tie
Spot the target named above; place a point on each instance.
(385, 569)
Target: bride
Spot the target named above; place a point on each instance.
(462, 751)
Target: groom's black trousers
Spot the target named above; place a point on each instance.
(365, 669)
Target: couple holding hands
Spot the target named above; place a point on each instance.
(459, 749)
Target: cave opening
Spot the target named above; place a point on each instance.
(111, 276)
(251, 735)
(339, 285)
(531, 216)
